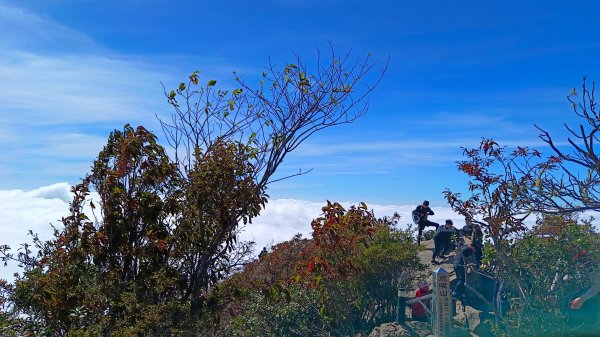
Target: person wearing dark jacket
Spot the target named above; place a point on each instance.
(460, 264)
(424, 211)
(442, 240)
(474, 233)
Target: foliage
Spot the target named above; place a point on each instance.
(289, 105)
(164, 231)
(159, 245)
(554, 261)
(496, 203)
(341, 281)
(508, 187)
(358, 265)
(219, 192)
(108, 275)
(294, 315)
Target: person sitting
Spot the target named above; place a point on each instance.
(460, 264)
(418, 310)
(443, 240)
(424, 211)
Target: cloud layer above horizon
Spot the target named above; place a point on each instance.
(41, 208)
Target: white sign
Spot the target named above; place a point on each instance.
(442, 312)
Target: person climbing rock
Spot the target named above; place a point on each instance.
(422, 212)
(460, 264)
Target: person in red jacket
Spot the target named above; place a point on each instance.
(418, 311)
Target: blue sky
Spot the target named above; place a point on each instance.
(72, 71)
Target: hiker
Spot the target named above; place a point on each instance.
(418, 311)
(443, 240)
(422, 211)
(591, 292)
(585, 317)
(263, 252)
(473, 232)
(460, 264)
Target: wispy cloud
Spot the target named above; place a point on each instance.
(23, 30)
(60, 96)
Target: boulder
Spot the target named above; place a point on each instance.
(389, 330)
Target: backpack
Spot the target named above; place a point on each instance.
(416, 216)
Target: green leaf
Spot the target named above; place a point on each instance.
(212, 83)
(181, 86)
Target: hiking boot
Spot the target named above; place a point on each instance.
(434, 262)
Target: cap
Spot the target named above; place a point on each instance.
(449, 221)
(426, 203)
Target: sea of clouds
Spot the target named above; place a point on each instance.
(37, 210)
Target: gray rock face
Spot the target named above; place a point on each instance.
(389, 330)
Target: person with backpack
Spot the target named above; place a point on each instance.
(474, 232)
(460, 269)
(420, 215)
(442, 240)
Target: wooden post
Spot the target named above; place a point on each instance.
(442, 311)
(403, 295)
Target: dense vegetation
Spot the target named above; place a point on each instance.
(159, 254)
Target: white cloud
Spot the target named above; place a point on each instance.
(60, 96)
(282, 218)
(36, 210)
(59, 90)
(21, 211)
(25, 30)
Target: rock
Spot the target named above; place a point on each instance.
(407, 329)
(389, 330)
(467, 316)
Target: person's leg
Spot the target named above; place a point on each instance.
(478, 255)
(432, 224)
(444, 246)
(420, 233)
(459, 290)
(436, 248)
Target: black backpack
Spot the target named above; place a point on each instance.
(416, 216)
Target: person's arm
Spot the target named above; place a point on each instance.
(429, 211)
(591, 292)
(594, 289)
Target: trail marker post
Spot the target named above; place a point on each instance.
(442, 300)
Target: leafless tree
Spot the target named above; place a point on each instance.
(577, 187)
